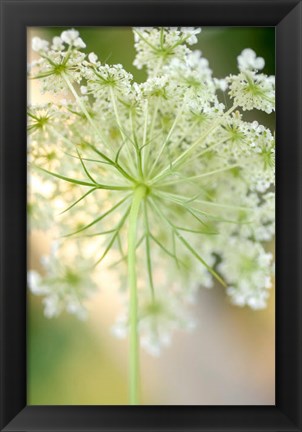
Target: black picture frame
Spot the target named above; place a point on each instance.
(285, 16)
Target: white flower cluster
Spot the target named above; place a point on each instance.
(246, 265)
(65, 286)
(157, 46)
(206, 172)
(102, 78)
(57, 61)
(158, 320)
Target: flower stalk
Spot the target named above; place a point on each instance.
(138, 197)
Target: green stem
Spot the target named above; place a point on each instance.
(138, 196)
(183, 156)
(82, 106)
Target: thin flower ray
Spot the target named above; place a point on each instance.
(119, 243)
(196, 255)
(188, 246)
(166, 251)
(199, 176)
(82, 106)
(85, 168)
(182, 199)
(167, 139)
(184, 205)
(77, 201)
(148, 249)
(208, 232)
(111, 162)
(114, 237)
(67, 179)
(87, 159)
(84, 183)
(101, 233)
(184, 156)
(124, 257)
(104, 215)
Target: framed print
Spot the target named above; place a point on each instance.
(141, 174)
(185, 146)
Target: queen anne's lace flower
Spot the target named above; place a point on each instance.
(193, 75)
(57, 44)
(203, 173)
(105, 78)
(252, 91)
(158, 321)
(40, 213)
(58, 61)
(189, 34)
(249, 61)
(247, 268)
(39, 44)
(157, 46)
(65, 286)
(71, 37)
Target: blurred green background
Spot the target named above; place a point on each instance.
(229, 359)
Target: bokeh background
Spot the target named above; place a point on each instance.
(229, 359)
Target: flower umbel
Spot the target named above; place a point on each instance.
(160, 173)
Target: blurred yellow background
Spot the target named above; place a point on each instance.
(229, 359)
